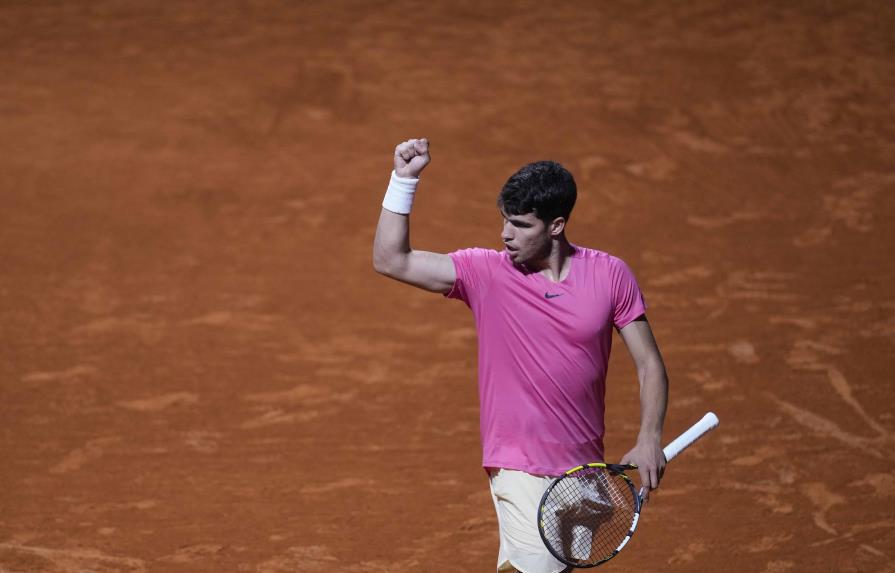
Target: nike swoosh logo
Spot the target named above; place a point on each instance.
(548, 295)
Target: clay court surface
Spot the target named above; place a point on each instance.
(201, 371)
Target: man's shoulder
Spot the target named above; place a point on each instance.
(479, 253)
(593, 255)
(598, 259)
(482, 251)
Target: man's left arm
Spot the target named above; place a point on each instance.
(647, 453)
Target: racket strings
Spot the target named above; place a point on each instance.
(588, 514)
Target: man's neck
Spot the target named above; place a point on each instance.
(555, 266)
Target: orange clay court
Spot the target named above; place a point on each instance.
(201, 372)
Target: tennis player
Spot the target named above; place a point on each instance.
(544, 310)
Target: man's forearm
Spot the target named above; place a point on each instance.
(653, 401)
(392, 241)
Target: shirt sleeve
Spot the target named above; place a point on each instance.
(474, 269)
(628, 302)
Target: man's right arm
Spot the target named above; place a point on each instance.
(392, 253)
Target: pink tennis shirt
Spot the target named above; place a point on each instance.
(543, 354)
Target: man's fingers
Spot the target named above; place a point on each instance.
(400, 152)
(411, 148)
(644, 485)
(649, 478)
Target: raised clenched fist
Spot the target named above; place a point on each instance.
(411, 157)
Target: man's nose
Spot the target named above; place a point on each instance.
(506, 234)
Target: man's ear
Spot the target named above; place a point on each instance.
(557, 226)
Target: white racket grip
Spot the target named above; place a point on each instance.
(707, 423)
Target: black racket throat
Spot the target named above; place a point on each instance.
(614, 468)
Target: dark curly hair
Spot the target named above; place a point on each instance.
(544, 188)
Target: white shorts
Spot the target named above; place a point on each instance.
(516, 497)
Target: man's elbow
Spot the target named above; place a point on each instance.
(384, 265)
(380, 265)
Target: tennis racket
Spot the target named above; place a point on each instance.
(589, 513)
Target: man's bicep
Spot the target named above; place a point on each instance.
(641, 343)
(430, 271)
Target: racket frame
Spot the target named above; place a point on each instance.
(614, 469)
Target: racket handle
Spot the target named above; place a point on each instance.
(696, 431)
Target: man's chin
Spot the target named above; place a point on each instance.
(516, 258)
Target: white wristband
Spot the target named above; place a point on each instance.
(399, 196)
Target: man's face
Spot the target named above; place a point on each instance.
(525, 237)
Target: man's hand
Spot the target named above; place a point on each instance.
(411, 157)
(650, 461)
